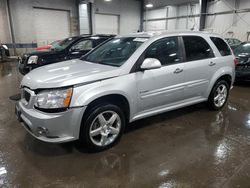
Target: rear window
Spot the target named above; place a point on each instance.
(221, 46)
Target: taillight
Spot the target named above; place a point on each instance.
(235, 61)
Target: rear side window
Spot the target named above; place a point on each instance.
(197, 48)
(83, 45)
(221, 46)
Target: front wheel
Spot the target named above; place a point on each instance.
(103, 127)
(219, 95)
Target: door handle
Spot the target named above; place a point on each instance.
(212, 63)
(178, 70)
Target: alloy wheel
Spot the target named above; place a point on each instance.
(105, 128)
(220, 96)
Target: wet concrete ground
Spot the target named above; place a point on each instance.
(191, 147)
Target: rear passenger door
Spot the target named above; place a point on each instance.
(198, 67)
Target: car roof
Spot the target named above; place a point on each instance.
(150, 34)
(89, 36)
(97, 35)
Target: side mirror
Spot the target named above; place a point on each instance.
(150, 63)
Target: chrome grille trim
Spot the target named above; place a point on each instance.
(28, 104)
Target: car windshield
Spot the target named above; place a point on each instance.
(55, 42)
(61, 45)
(243, 48)
(115, 52)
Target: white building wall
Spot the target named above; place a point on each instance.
(172, 12)
(4, 24)
(186, 23)
(128, 12)
(23, 18)
(158, 25)
(83, 19)
(229, 25)
(22, 13)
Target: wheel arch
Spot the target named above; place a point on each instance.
(117, 99)
(221, 75)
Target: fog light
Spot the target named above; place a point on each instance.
(42, 131)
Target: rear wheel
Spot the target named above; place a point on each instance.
(103, 127)
(219, 95)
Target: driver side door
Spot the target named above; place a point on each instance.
(162, 87)
(80, 48)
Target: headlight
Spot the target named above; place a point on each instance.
(32, 59)
(5, 47)
(54, 99)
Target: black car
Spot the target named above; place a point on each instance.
(242, 52)
(233, 43)
(4, 52)
(69, 48)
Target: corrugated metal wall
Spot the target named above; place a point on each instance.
(220, 19)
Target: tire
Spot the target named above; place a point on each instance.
(219, 102)
(99, 134)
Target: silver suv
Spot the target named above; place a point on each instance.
(127, 78)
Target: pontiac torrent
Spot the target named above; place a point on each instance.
(128, 78)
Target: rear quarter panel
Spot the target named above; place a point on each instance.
(224, 64)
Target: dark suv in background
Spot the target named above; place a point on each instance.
(69, 48)
(242, 52)
(233, 43)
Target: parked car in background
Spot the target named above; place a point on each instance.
(48, 46)
(69, 48)
(233, 43)
(4, 52)
(125, 79)
(242, 52)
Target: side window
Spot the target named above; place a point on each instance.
(221, 46)
(99, 41)
(165, 50)
(197, 48)
(82, 45)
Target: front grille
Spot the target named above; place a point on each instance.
(243, 68)
(23, 59)
(26, 95)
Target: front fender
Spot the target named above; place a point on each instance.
(122, 85)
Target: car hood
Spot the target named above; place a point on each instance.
(68, 73)
(42, 53)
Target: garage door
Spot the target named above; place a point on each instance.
(51, 25)
(106, 24)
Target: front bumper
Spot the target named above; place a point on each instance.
(242, 75)
(60, 127)
(22, 69)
